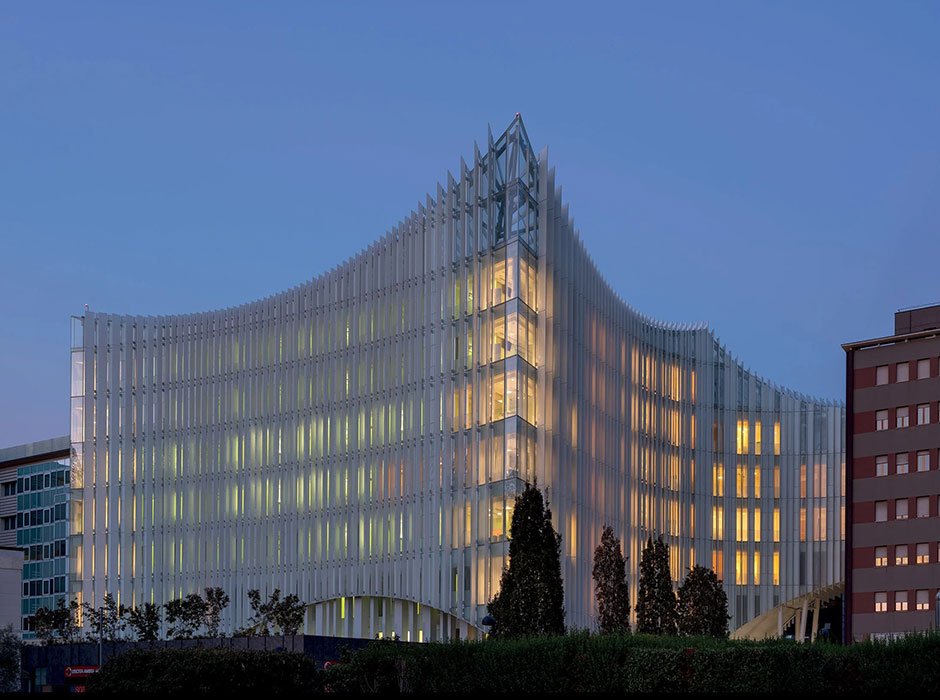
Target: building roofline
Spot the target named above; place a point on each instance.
(890, 339)
(33, 452)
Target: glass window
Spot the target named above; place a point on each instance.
(903, 417)
(881, 601)
(900, 555)
(901, 462)
(881, 511)
(923, 461)
(881, 375)
(923, 600)
(903, 371)
(881, 465)
(900, 509)
(923, 553)
(923, 369)
(881, 556)
(923, 506)
(900, 601)
(881, 420)
(923, 414)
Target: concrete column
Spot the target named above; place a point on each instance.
(816, 606)
(358, 618)
(398, 628)
(803, 615)
(779, 622)
(319, 614)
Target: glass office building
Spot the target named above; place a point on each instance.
(359, 439)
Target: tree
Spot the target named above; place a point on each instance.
(145, 622)
(531, 597)
(702, 609)
(58, 625)
(610, 584)
(285, 614)
(185, 616)
(107, 622)
(10, 653)
(216, 601)
(656, 601)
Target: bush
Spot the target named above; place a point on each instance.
(214, 671)
(640, 663)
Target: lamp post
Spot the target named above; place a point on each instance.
(488, 621)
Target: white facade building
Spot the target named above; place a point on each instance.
(359, 439)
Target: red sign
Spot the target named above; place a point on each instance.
(79, 671)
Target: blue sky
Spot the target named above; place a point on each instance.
(771, 169)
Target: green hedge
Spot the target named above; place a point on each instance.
(213, 671)
(636, 663)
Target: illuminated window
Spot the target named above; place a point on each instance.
(923, 600)
(881, 601)
(802, 481)
(900, 555)
(742, 437)
(718, 563)
(881, 420)
(718, 522)
(819, 526)
(923, 553)
(901, 463)
(923, 369)
(756, 482)
(777, 438)
(757, 524)
(718, 480)
(802, 524)
(923, 461)
(741, 567)
(903, 417)
(881, 465)
(881, 375)
(881, 556)
(741, 524)
(923, 506)
(923, 414)
(900, 601)
(776, 482)
(741, 482)
(756, 568)
(903, 371)
(776, 524)
(900, 509)
(757, 440)
(776, 568)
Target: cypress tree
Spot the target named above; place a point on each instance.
(610, 584)
(531, 597)
(702, 609)
(656, 601)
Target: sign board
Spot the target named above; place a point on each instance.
(80, 671)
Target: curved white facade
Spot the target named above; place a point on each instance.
(359, 439)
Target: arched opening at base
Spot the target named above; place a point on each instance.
(375, 617)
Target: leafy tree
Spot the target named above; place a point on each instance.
(610, 584)
(656, 601)
(216, 601)
(185, 616)
(107, 622)
(10, 653)
(285, 614)
(702, 609)
(58, 625)
(531, 597)
(145, 622)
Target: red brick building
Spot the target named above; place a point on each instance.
(893, 483)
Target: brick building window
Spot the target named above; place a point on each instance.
(881, 601)
(923, 369)
(900, 555)
(903, 371)
(923, 414)
(900, 601)
(881, 375)
(923, 507)
(923, 461)
(923, 600)
(923, 553)
(900, 509)
(881, 465)
(901, 462)
(903, 417)
(881, 556)
(881, 420)
(881, 511)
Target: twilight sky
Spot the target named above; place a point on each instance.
(771, 169)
